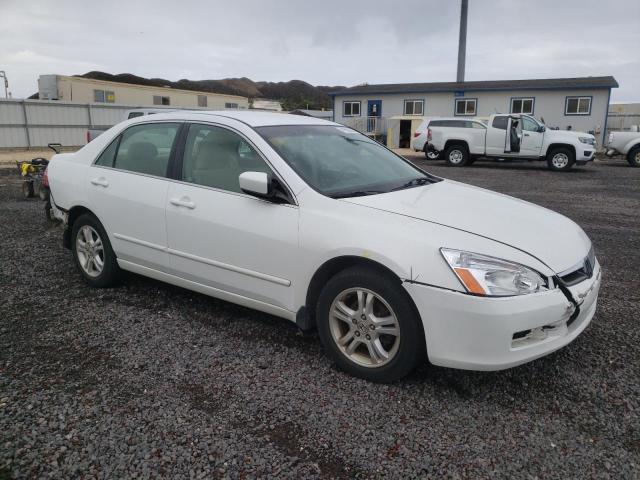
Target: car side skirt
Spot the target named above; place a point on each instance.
(207, 290)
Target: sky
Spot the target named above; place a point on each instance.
(327, 42)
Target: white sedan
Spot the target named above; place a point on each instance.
(312, 221)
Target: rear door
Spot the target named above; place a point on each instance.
(497, 132)
(221, 237)
(128, 188)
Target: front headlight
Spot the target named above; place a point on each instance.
(589, 140)
(493, 277)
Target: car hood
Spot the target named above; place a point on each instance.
(550, 237)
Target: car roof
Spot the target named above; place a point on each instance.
(251, 118)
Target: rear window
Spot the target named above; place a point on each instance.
(499, 122)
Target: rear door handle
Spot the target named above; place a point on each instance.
(183, 202)
(100, 181)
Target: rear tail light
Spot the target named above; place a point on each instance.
(417, 134)
(429, 135)
(45, 178)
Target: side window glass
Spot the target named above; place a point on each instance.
(106, 157)
(529, 125)
(215, 157)
(146, 148)
(500, 122)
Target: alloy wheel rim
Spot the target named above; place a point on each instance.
(90, 251)
(560, 160)
(637, 158)
(455, 156)
(364, 327)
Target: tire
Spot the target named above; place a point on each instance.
(85, 227)
(560, 159)
(405, 348)
(27, 189)
(633, 157)
(456, 155)
(431, 154)
(43, 193)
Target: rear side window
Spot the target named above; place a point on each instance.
(135, 114)
(146, 148)
(106, 158)
(499, 122)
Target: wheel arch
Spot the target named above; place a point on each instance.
(72, 215)
(455, 141)
(553, 146)
(306, 315)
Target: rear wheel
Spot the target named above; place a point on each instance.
(431, 154)
(27, 189)
(457, 155)
(92, 252)
(560, 159)
(633, 157)
(369, 326)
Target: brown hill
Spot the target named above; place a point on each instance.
(292, 94)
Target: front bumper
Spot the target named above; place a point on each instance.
(480, 333)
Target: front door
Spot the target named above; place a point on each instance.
(531, 145)
(374, 112)
(220, 237)
(127, 191)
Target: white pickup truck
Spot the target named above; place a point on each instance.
(461, 141)
(625, 143)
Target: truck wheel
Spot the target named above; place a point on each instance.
(457, 155)
(560, 159)
(633, 157)
(431, 154)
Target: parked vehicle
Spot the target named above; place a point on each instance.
(94, 133)
(420, 143)
(625, 143)
(316, 223)
(510, 136)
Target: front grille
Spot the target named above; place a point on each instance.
(582, 272)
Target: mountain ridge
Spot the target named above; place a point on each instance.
(292, 95)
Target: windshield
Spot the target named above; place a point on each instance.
(340, 162)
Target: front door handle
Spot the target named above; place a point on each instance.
(526, 134)
(100, 181)
(183, 202)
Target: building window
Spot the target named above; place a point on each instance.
(160, 100)
(233, 106)
(577, 106)
(202, 100)
(522, 105)
(414, 107)
(351, 109)
(104, 96)
(466, 106)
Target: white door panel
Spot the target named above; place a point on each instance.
(131, 207)
(233, 242)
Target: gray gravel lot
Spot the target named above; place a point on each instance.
(149, 380)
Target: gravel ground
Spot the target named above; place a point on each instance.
(149, 380)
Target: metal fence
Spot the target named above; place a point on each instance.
(35, 123)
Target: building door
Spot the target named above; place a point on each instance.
(374, 112)
(405, 134)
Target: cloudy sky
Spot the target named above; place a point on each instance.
(328, 42)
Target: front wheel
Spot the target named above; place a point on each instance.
(457, 156)
(369, 326)
(92, 252)
(560, 159)
(633, 157)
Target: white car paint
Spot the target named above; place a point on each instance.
(625, 143)
(263, 255)
(487, 141)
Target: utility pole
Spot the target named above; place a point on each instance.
(6, 83)
(462, 41)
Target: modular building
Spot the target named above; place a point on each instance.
(392, 112)
(87, 90)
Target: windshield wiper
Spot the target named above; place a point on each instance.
(414, 182)
(357, 193)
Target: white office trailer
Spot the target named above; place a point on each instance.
(392, 112)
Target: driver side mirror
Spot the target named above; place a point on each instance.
(542, 129)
